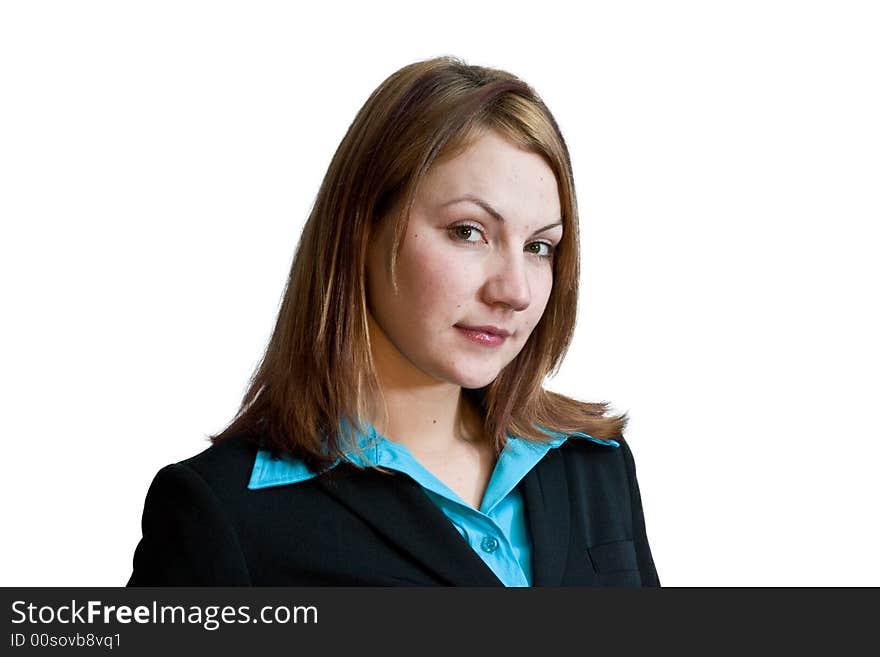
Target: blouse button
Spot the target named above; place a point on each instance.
(489, 544)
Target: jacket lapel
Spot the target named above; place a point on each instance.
(545, 498)
(397, 508)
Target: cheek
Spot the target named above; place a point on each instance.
(542, 286)
(545, 289)
(434, 279)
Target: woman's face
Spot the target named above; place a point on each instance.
(466, 263)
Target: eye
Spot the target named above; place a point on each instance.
(462, 232)
(551, 249)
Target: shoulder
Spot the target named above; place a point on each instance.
(223, 468)
(596, 462)
(582, 447)
(189, 536)
(230, 458)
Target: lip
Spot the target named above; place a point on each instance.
(493, 330)
(483, 335)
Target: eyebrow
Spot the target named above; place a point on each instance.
(492, 211)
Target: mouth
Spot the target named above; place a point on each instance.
(488, 336)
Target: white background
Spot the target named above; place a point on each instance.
(158, 159)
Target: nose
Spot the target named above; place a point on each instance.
(507, 282)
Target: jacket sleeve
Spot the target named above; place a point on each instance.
(187, 537)
(647, 571)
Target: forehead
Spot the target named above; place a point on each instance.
(519, 183)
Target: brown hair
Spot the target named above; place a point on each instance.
(308, 395)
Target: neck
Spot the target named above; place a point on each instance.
(428, 420)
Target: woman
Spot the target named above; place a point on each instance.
(396, 431)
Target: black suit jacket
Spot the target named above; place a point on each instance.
(202, 526)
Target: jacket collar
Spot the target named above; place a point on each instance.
(269, 471)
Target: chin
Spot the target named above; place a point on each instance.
(462, 370)
(475, 379)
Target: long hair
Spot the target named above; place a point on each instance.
(308, 395)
